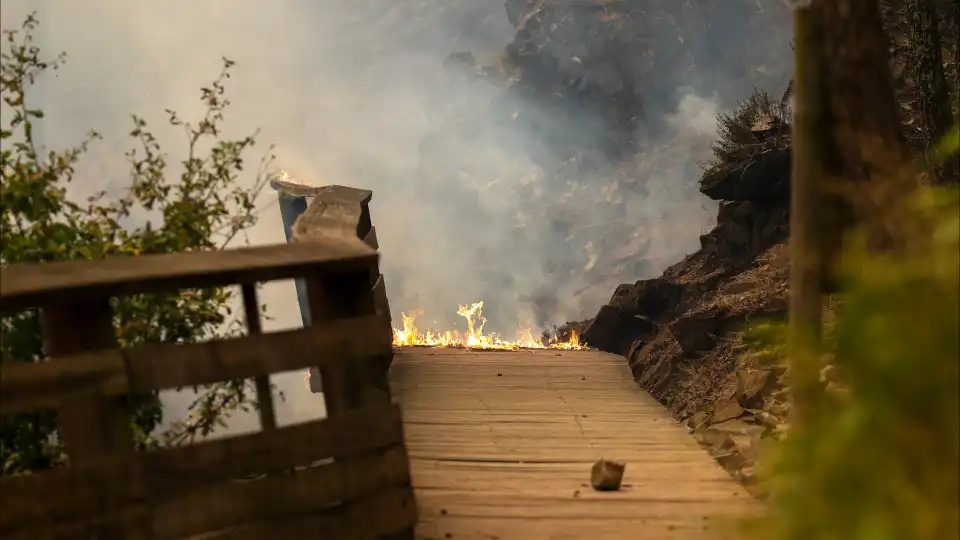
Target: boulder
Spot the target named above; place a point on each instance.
(649, 297)
(697, 331)
(615, 329)
(765, 177)
(729, 410)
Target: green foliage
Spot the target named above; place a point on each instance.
(949, 145)
(879, 458)
(735, 131)
(201, 207)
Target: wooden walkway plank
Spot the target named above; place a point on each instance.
(501, 445)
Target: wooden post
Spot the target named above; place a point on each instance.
(251, 309)
(93, 428)
(351, 384)
(846, 144)
(345, 211)
(806, 251)
(346, 385)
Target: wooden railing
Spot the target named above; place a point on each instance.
(343, 211)
(110, 490)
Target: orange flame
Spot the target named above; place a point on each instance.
(473, 338)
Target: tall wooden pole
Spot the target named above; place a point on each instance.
(806, 264)
(847, 149)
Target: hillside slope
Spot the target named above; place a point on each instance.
(682, 332)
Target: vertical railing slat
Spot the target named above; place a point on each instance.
(251, 310)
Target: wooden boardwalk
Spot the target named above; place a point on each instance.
(501, 445)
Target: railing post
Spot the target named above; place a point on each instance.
(292, 198)
(251, 310)
(341, 211)
(98, 427)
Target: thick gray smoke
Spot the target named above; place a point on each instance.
(356, 92)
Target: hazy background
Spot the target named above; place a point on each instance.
(348, 91)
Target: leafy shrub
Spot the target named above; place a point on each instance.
(735, 131)
(202, 207)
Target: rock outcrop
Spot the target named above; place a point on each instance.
(680, 332)
(681, 318)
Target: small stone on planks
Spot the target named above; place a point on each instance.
(607, 475)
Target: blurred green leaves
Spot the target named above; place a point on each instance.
(881, 461)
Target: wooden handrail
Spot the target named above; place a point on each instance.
(68, 282)
(111, 491)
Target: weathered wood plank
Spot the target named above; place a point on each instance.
(44, 385)
(217, 507)
(118, 518)
(25, 387)
(501, 445)
(333, 341)
(386, 512)
(27, 285)
(76, 492)
(65, 493)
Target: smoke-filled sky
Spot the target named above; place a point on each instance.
(348, 90)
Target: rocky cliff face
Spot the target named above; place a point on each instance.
(679, 331)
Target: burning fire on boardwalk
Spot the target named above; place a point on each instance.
(473, 337)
